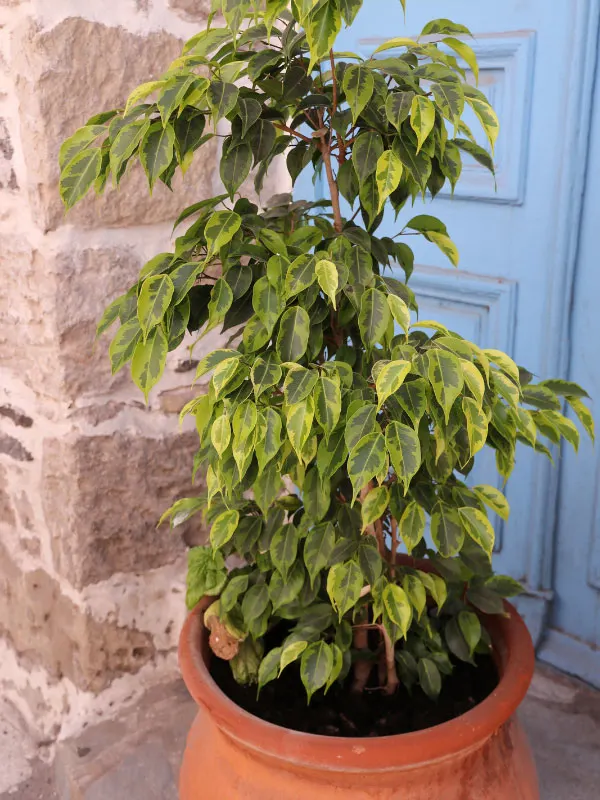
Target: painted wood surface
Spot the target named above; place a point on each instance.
(521, 265)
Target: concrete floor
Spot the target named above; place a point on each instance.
(562, 717)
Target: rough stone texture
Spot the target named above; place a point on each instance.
(103, 496)
(67, 74)
(47, 629)
(7, 514)
(197, 10)
(146, 742)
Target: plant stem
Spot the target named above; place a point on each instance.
(392, 676)
(362, 666)
(395, 544)
(299, 135)
(333, 188)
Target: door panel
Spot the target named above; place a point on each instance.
(518, 242)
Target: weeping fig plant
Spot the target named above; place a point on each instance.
(336, 431)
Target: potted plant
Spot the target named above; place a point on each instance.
(335, 432)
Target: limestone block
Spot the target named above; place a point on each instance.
(7, 514)
(196, 10)
(68, 73)
(103, 496)
(46, 629)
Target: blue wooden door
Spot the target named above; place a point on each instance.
(518, 248)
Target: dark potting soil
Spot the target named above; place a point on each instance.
(344, 713)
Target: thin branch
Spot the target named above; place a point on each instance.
(285, 128)
(334, 83)
(390, 660)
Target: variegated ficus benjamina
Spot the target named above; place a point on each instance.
(335, 431)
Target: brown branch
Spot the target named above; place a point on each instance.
(285, 128)
(395, 543)
(325, 148)
(334, 83)
(390, 660)
(380, 538)
(362, 666)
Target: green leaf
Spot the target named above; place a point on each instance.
(210, 361)
(322, 28)
(374, 505)
(206, 575)
(398, 41)
(366, 151)
(235, 167)
(446, 378)
(400, 311)
(358, 87)
(261, 138)
(350, 9)
(411, 525)
(470, 627)
(506, 364)
(283, 549)
(361, 423)
(446, 245)
(446, 530)
(220, 433)
(299, 423)
(255, 603)
(235, 587)
(318, 548)
(268, 303)
(79, 141)
(331, 454)
(493, 498)
(449, 98)
(412, 396)
(477, 424)
(149, 359)
(124, 343)
(183, 278)
(79, 174)
(583, 413)
(327, 276)
(110, 315)
(398, 607)
(543, 398)
(564, 388)
(445, 26)
(465, 52)
(484, 112)
(415, 591)
(374, 317)
(249, 110)
(156, 151)
(418, 164)
(267, 486)
(269, 667)
(430, 679)
(422, 118)
(220, 229)
(223, 528)
(397, 108)
(316, 495)
(221, 298)
(294, 329)
(344, 585)
(268, 441)
(405, 451)
(328, 403)
(222, 98)
(390, 378)
(224, 374)
(388, 174)
(298, 384)
(301, 274)
(291, 653)
(504, 585)
(265, 373)
(316, 666)
(125, 144)
(153, 301)
(479, 528)
(366, 460)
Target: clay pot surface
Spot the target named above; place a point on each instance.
(481, 755)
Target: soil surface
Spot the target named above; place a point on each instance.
(343, 713)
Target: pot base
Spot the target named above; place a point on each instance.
(216, 767)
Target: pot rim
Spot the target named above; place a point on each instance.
(515, 657)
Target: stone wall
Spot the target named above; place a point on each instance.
(91, 593)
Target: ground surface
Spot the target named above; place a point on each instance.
(137, 758)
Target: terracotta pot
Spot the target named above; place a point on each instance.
(482, 755)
